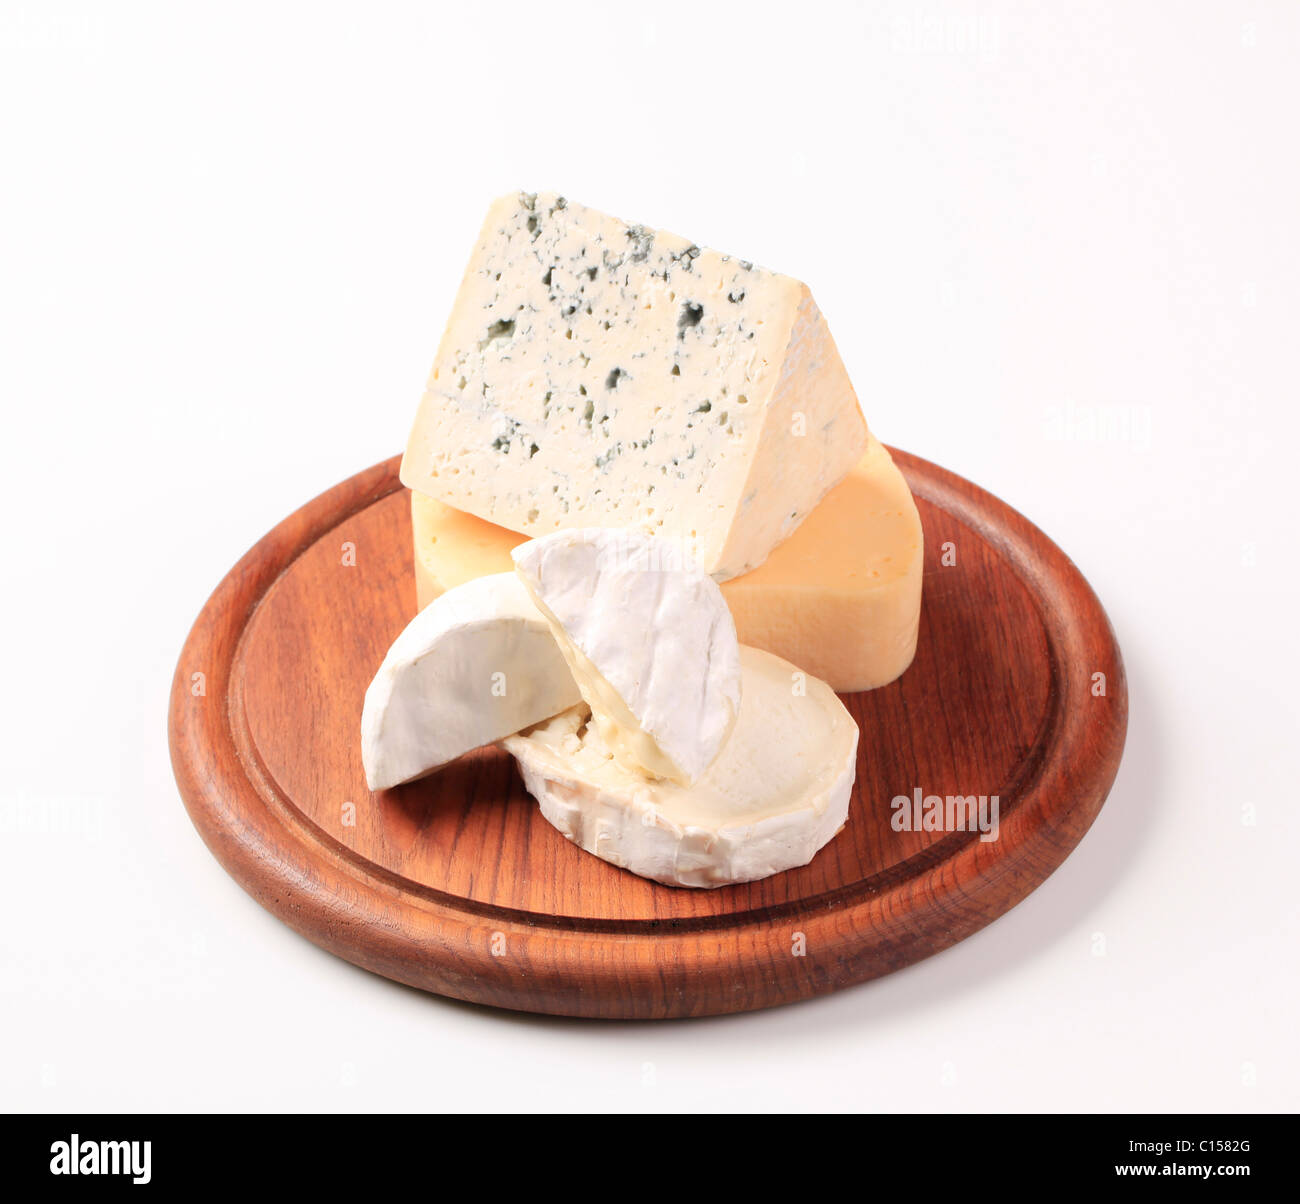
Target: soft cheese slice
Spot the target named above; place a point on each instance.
(841, 598)
(648, 639)
(778, 792)
(595, 373)
(476, 665)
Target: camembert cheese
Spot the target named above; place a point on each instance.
(778, 791)
(476, 665)
(649, 640)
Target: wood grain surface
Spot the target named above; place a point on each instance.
(456, 884)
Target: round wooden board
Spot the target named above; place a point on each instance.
(456, 884)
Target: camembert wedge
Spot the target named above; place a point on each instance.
(649, 640)
(476, 665)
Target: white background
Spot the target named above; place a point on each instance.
(1057, 245)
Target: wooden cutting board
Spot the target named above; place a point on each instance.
(456, 884)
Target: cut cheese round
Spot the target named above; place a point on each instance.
(649, 641)
(477, 664)
(776, 794)
(841, 598)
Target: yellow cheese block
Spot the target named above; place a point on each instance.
(841, 598)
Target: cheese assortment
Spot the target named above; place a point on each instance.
(649, 520)
(760, 797)
(600, 374)
(841, 597)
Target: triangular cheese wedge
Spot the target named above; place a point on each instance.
(476, 665)
(597, 374)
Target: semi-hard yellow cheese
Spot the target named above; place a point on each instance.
(841, 598)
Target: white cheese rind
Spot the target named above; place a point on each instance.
(473, 666)
(594, 373)
(778, 792)
(649, 640)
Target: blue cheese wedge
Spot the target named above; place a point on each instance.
(648, 638)
(777, 793)
(595, 373)
(473, 666)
